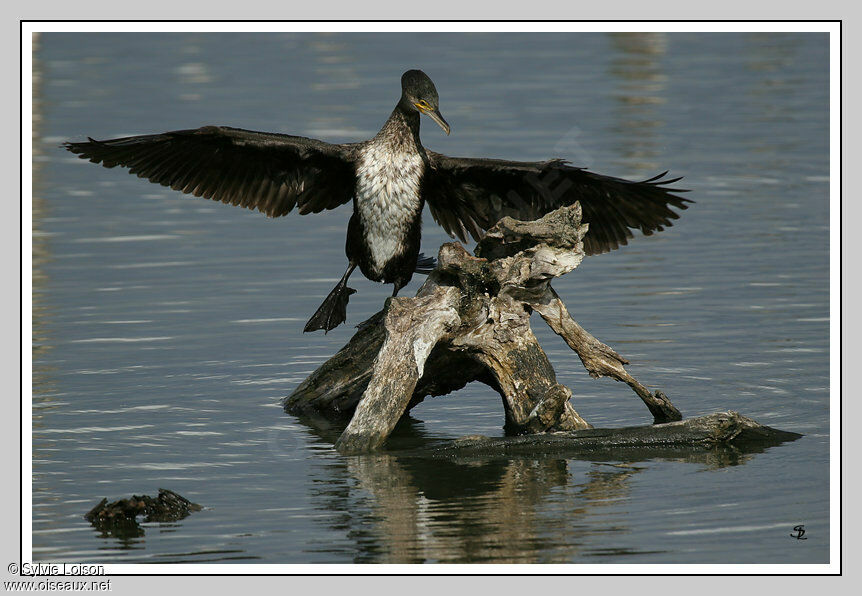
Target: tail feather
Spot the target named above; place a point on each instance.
(425, 264)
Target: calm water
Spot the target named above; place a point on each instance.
(167, 329)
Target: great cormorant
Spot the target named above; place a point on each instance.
(389, 177)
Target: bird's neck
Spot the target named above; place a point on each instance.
(402, 128)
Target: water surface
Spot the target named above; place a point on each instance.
(167, 329)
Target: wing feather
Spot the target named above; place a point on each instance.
(467, 196)
(272, 173)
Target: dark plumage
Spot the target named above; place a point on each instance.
(389, 178)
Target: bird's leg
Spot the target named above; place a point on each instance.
(398, 285)
(333, 311)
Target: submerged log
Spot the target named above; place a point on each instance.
(470, 321)
(727, 429)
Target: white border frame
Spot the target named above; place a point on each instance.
(831, 27)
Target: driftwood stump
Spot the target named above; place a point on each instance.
(470, 321)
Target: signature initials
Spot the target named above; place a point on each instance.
(800, 533)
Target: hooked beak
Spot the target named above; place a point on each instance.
(436, 116)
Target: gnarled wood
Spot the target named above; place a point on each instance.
(599, 359)
(413, 327)
(470, 321)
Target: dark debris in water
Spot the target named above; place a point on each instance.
(120, 518)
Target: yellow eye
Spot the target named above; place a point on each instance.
(424, 105)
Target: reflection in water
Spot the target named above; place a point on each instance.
(335, 70)
(43, 375)
(641, 84)
(41, 248)
(412, 505)
(462, 511)
(192, 77)
(773, 57)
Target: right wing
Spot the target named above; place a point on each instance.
(468, 195)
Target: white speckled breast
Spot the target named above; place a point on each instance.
(387, 198)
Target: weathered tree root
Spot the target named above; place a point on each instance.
(470, 321)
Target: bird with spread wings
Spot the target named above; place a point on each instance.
(392, 174)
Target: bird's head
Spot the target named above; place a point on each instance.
(419, 93)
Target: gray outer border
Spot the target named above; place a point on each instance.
(255, 9)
